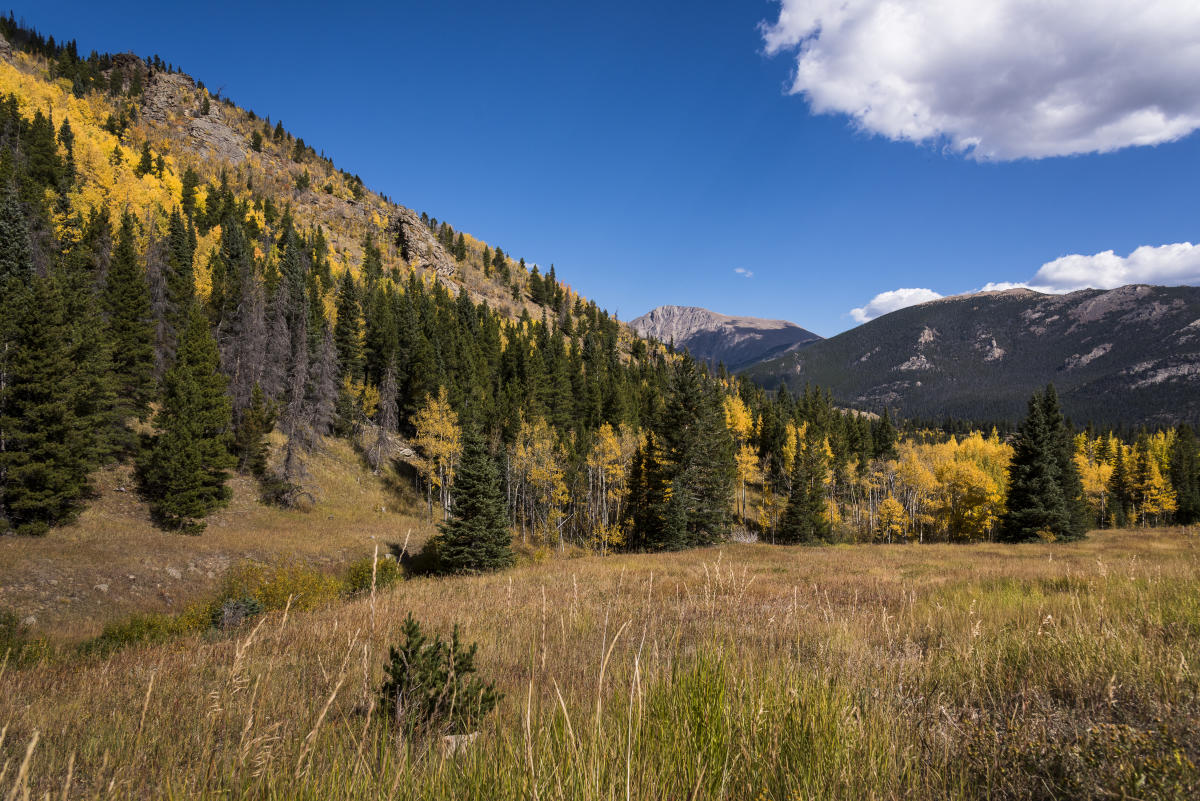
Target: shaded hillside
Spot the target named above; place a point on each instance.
(736, 342)
(1129, 355)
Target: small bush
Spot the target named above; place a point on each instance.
(358, 576)
(149, 628)
(234, 612)
(428, 687)
(16, 642)
(272, 585)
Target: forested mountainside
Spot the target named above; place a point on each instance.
(189, 289)
(736, 342)
(181, 277)
(1123, 356)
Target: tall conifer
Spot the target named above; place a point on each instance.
(1036, 504)
(130, 324)
(477, 538)
(184, 472)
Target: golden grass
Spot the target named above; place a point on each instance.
(113, 562)
(748, 671)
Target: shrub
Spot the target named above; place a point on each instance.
(16, 643)
(153, 627)
(234, 612)
(428, 687)
(272, 585)
(358, 576)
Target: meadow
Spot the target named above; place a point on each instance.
(744, 671)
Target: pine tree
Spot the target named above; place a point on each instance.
(44, 447)
(883, 437)
(250, 435)
(131, 327)
(184, 471)
(1120, 490)
(1063, 444)
(145, 164)
(476, 539)
(1036, 505)
(372, 266)
(16, 255)
(347, 330)
(804, 517)
(1185, 475)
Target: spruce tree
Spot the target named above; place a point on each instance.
(130, 325)
(184, 471)
(145, 164)
(16, 255)
(476, 539)
(1120, 490)
(347, 330)
(44, 459)
(250, 435)
(1036, 505)
(1063, 444)
(883, 437)
(804, 519)
(1185, 475)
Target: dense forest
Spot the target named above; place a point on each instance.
(196, 317)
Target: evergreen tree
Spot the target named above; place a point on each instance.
(16, 255)
(185, 469)
(250, 435)
(1120, 491)
(131, 326)
(1063, 444)
(372, 266)
(804, 517)
(883, 437)
(1185, 475)
(1036, 504)
(44, 447)
(347, 330)
(145, 164)
(477, 538)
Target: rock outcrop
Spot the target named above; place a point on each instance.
(418, 246)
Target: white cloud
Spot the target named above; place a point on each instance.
(742, 271)
(1169, 265)
(890, 301)
(1166, 264)
(1000, 79)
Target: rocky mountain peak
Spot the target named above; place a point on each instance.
(719, 338)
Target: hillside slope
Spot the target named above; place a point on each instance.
(736, 342)
(1129, 355)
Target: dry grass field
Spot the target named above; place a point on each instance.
(113, 562)
(747, 671)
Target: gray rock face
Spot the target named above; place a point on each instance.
(418, 245)
(5, 49)
(167, 95)
(738, 342)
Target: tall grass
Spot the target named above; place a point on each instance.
(742, 672)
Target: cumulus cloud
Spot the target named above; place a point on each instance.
(1166, 264)
(1000, 79)
(742, 271)
(1169, 265)
(890, 301)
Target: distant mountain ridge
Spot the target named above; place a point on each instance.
(1129, 355)
(737, 342)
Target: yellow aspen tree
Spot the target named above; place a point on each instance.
(439, 439)
(892, 521)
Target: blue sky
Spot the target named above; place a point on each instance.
(652, 149)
